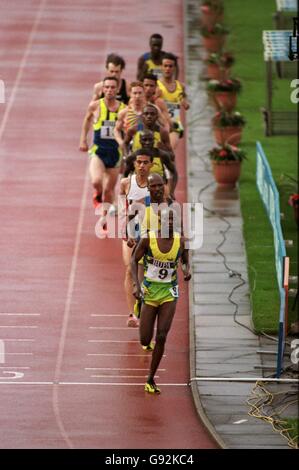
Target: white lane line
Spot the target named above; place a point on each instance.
(21, 68)
(18, 354)
(19, 339)
(121, 376)
(18, 326)
(121, 355)
(14, 367)
(111, 328)
(20, 314)
(118, 368)
(66, 313)
(112, 341)
(107, 315)
(113, 384)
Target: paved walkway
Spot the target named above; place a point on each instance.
(223, 343)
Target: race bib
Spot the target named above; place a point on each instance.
(107, 130)
(159, 271)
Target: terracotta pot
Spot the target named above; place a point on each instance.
(228, 135)
(227, 173)
(209, 18)
(214, 43)
(214, 71)
(225, 100)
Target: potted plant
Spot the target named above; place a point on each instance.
(211, 12)
(226, 162)
(219, 64)
(214, 36)
(225, 92)
(228, 127)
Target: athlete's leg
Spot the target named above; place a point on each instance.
(147, 322)
(174, 140)
(128, 283)
(96, 171)
(166, 313)
(110, 180)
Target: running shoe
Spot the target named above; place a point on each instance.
(149, 347)
(132, 321)
(96, 199)
(151, 387)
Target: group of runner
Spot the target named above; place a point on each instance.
(136, 129)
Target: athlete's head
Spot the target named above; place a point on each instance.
(110, 85)
(147, 139)
(156, 43)
(143, 162)
(166, 221)
(137, 92)
(149, 85)
(115, 64)
(155, 185)
(169, 64)
(149, 115)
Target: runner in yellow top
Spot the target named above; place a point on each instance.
(151, 62)
(173, 92)
(159, 289)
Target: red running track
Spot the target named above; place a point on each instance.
(71, 372)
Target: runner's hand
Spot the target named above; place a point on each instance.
(137, 291)
(131, 242)
(83, 147)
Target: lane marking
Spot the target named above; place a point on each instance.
(107, 315)
(114, 384)
(117, 368)
(19, 354)
(112, 328)
(21, 68)
(121, 355)
(20, 314)
(122, 376)
(66, 313)
(14, 367)
(112, 341)
(18, 339)
(17, 326)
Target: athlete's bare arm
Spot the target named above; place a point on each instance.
(163, 112)
(128, 137)
(185, 260)
(138, 253)
(165, 141)
(141, 68)
(185, 103)
(97, 91)
(166, 160)
(92, 109)
(119, 128)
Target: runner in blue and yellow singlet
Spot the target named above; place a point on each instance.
(105, 155)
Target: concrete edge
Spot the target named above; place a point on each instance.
(192, 351)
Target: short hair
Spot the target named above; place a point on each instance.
(150, 76)
(150, 105)
(144, 151)
(111, 78)
(170, 56)
(156, 36)
(135, 84)
(115, 60)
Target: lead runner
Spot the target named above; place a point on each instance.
(159, 289)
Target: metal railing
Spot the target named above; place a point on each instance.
(270, 197)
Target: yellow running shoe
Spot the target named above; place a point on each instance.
(151, 387)
(149, 347)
